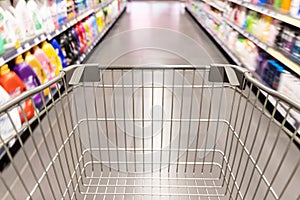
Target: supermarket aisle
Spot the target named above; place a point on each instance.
(147, 33)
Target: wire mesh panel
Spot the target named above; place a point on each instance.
(169, 132)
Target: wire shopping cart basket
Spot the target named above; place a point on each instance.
(165, 132)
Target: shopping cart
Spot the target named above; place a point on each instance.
(167, 132)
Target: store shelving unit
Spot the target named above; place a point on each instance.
(28, 44)
(270, 50)
(33, 42)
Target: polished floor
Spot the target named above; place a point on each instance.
(156, 32)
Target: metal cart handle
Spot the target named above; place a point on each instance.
(217, 73)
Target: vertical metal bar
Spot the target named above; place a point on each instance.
(143, 119)
(289, 180)
(272, 150)
(47, 146)
(171, 127)
(152, 116)
(217, 128)
(180, 122)
(162, 121)
(282, 161)
(124, 112)
(227, 134)
(23, 149)
(88, 124)
(199, 123)
(67, 133)
(133, 118)
(232, 140)
(4, 182)
(115, 118)
(190, 117)
(97, 125)
(245, 140)
(79, 132)
(14, 165)
(208, 124)
(255, 136)
(55, 143)
(262, 145)
(106, 122)
(60, 133)
(73, 125)
(35, 145)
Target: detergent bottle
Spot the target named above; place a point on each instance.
(32, 7)
(277, 5)
(8, 126)
(29, 78)
(24, 17)
(87, 32)
(53, 57)
(75, 35)
(100, 21)
(14, 86)
(285, 6)
(295, 9)
(69, 52)
(38, 69)
(59, 52)
(81, 34)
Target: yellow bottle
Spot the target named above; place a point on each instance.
(53, 57)
(38, 69)
(100, 20)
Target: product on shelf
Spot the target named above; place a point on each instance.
(82, 37)
(14, 86)
(59, 52)
(11, 122)
(35, 61)
(100, 21)
(88, 33)
(33, 9)
(29, 78)
(52, 55)
(24, 17)
(295, 9)
(74, 34)
(61, 10)
(71, 12)
(75, 44)
(271, 73)
(46, 17)
(69, 52)
(2, 49)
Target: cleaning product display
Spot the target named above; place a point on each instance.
(52, 56)
(14, 86)
(28, 76)
(263, 42)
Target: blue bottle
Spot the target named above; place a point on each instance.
(57, 48)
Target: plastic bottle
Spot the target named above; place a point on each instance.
(100, 21)
(36, 65)
(24, 17)
(8, 126)
(14, 86)
(82, 37)
(295, 9)
(75, 35)
(16, 31)
(74, 44)
(29, 78)
(32, 7)
(277, 5)
(285, 6)
(88, 33)
(296, 48)
(2, 49)
(274, 29)
(46, 17)
(59, 52)
(53, 57)
(69, 51)
(71, 13)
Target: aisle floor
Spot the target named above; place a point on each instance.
(156, 32)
